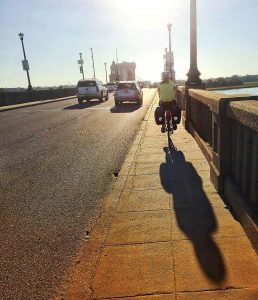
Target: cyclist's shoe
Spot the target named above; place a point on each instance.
(163, 129)
(174, 126)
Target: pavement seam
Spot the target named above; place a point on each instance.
(136, 296)
(146, 210)
(214, 290)
(173, 253)
(171, 238)
(181, 292)
(137, 243)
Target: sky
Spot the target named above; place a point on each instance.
(56, 31)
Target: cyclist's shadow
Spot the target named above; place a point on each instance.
(194, 213)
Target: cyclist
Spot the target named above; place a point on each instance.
(167, 100)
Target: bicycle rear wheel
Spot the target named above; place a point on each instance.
(169, 132)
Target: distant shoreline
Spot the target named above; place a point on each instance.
(244, 86)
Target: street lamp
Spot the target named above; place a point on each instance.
(93, 65)
(169, 35)
(170, 54)
(166, 60)
(193, 75)
(169, 26)
(117, 71)
(106, 70)
(25, 62)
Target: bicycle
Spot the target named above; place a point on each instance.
(169, 127)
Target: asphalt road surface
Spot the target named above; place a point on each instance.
(56, 164)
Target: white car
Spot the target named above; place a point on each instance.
(128, 91)
(91, 88)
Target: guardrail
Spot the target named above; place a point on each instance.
(226, 129)
(10, 98)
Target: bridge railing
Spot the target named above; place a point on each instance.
(10, 98)
(226, 129)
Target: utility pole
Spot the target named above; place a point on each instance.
(193, 74)
(93, 63)
(81, 62)
(166, 60)
(106, 70)
(170, 54)
(117, 67)
(25, 62)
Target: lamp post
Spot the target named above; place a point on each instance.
(117, 73)
(25, 63)
(106, 70)
(166, 59)
(193, 74)
(93, 63)
(169, 35)
(169, 26)
(170, 59)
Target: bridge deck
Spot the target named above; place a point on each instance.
(171, 237)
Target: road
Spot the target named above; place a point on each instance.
(56, 163)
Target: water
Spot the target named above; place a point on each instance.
(251, 91)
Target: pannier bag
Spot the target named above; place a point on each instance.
(159, 115)
(177, 114)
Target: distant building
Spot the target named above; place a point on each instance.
(122, 71)
(113, 72)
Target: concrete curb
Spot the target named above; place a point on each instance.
(83, 269)
(28, 104)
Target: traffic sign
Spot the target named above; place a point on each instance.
(25, 65)
(80, 62)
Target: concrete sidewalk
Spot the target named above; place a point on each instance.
(165, 233)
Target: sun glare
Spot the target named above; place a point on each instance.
(147, 9)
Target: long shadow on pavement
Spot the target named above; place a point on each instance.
(83, 105)
(125, 108)
(194, 213)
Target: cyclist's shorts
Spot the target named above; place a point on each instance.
(168, 105)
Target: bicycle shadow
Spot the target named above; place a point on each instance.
(194, 213)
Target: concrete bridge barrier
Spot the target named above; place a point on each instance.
(226, 129)
(10, 98)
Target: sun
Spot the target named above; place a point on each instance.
(146, 9)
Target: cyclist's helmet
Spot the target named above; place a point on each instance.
(165, 75)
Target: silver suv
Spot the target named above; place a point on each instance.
(92, 88)
(128, 91)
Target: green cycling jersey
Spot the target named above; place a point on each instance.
(166, 91)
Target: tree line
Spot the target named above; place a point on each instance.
(234, 80)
